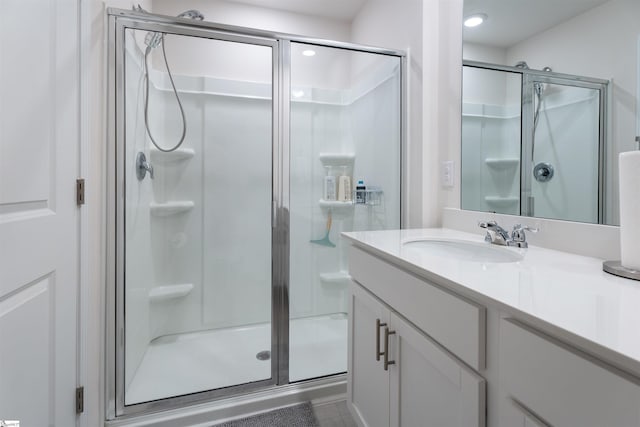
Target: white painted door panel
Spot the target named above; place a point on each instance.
(428, 386)
(368, 382)
(39, 145)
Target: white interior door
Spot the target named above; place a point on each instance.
(39, 235)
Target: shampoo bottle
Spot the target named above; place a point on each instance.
(329, 188)
(344, 186)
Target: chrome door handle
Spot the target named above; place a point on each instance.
(387, 362)
(378, 326)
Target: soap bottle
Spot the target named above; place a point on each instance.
(361, 194)
(344, 186)
(329, 187)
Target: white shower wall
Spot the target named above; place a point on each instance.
(222, 247)
(567, 137)
(363, 121)
(490, 134)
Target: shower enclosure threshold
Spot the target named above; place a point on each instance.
(180, 364)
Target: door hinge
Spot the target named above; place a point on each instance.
(79, 400)
(80, 191)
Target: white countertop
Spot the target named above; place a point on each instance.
(567, 294)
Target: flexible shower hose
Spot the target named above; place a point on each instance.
(146, 99)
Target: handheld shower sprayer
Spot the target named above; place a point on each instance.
(154, 39)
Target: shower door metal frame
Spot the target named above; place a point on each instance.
(120, 20)
(116, 406)
(529, 77)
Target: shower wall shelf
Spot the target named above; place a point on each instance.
(169, 292)
(501, 201)
(334, 204)
(498, 163)
(337, 159)
(181, 154)
(336, 278)
(170, 208)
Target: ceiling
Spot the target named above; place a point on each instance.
(343, 10)
(511, 21)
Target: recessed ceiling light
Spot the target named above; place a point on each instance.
(308, 52)
(474, 20)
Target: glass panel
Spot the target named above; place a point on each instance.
(565, 152)
(198, 231)
(491, 123)
(345, 128)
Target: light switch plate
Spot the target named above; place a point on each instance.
(447, 178)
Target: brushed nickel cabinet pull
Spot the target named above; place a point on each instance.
(378, 326)
(387, 362)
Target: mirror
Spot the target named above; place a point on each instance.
(550, 98)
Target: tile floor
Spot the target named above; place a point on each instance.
(334, 415)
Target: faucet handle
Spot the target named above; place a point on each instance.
(518, 237)
(519, 227)
(487, 224)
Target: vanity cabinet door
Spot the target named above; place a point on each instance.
(367, 381)
(516, 414)
(429, 387)
(543, 379)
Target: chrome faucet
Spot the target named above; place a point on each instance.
(499, 236)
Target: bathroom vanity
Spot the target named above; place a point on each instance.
(446, 330)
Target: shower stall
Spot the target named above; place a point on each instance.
(533, 142)
(237, 159)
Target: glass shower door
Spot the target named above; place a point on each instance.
(196, 143)
(565, 170)
(345, 144)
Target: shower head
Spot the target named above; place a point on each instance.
(522, 64)
(153, 39)
(192, 14)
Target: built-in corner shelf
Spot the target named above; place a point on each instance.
(337, 159)
(499, 201)
(336, 279)
(170, 208)
(169, 292)
(334, 204)
(502, 163)
(179, 155)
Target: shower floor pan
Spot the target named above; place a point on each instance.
(187, 363)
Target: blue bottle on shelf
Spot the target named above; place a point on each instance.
(361, 193)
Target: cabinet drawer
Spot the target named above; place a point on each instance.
(559, 385)
(455, 323)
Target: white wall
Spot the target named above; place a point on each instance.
(245, 15)
(442, 76)
(398, 25)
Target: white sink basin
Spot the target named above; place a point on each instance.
(464, 250)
